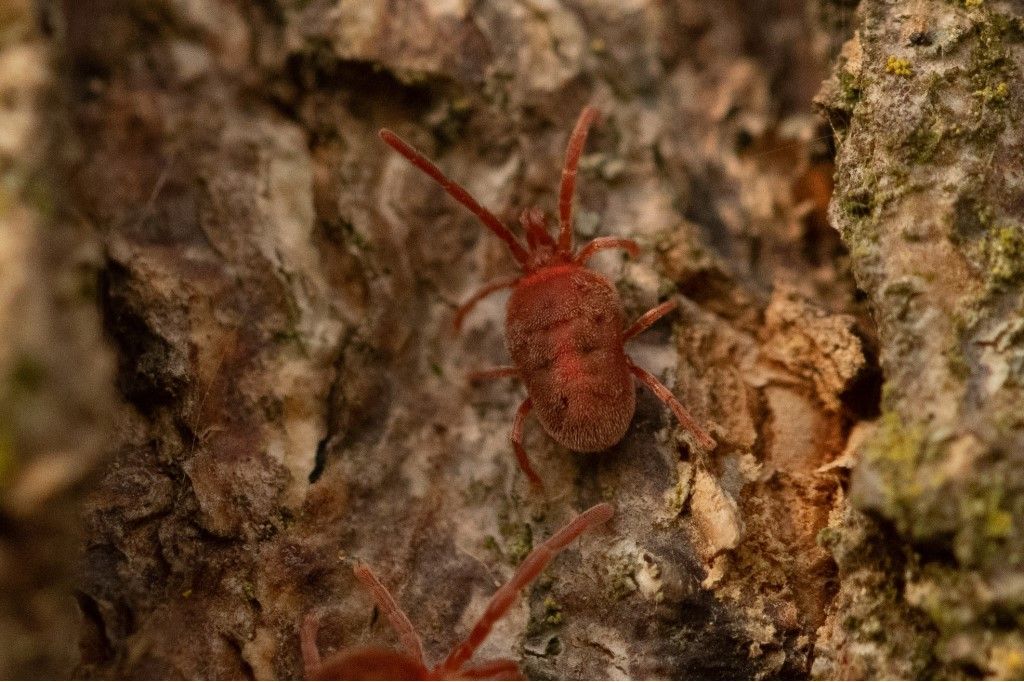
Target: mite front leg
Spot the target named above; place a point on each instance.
(682, 414)
(487, 290)
(568, 186)
(391, 610)
(648, 318)
(602, 243)
(517, 443)
(528, 570)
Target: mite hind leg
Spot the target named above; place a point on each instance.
(686, 420)
(517, 443)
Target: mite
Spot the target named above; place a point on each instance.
(378, 663)
(564, 325)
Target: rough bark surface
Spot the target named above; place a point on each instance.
(278, 287)
(927, 101)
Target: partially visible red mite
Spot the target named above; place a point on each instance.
(564, 326)
(378, 663)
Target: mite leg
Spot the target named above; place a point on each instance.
(682, 414)
(392, 611)
(648, 318)
(601, 243)
(307, 640)
(524, 575)
(499, 669)
(572, 161)
(517, 443)
(486, 290)
(457, 192)
(495, 373)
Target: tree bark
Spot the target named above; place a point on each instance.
(278, 287)
(56, 400)
(926, 102)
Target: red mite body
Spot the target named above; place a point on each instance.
(378, 663)
(564, 325)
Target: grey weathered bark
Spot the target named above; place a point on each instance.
(279, 288)
(926, 101)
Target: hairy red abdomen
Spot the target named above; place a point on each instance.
(563, 328)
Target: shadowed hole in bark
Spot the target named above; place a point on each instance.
(94, 643)
(320, 460)
(362, 85)
(146, 366)
(863, 396)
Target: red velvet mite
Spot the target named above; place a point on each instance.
(564, 325)
(378, 663)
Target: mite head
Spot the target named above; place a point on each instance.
(541, 249)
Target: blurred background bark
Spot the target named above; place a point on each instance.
(280, 392)
(56, 395)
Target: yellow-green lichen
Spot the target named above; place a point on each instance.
(895, 441)
(988, 532)
(849, 88)
(900, 489)
(621, 580)
(937, 123)
(897, 66)
(991, 69)
(518, 541)
(959, 604)
(1004, 249)
(858, 203)
(998, 524)
(828, 538)
(543, 619)
(993, 95)
(947, 596)
(552, 612)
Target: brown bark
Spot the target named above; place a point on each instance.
(280, 289)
